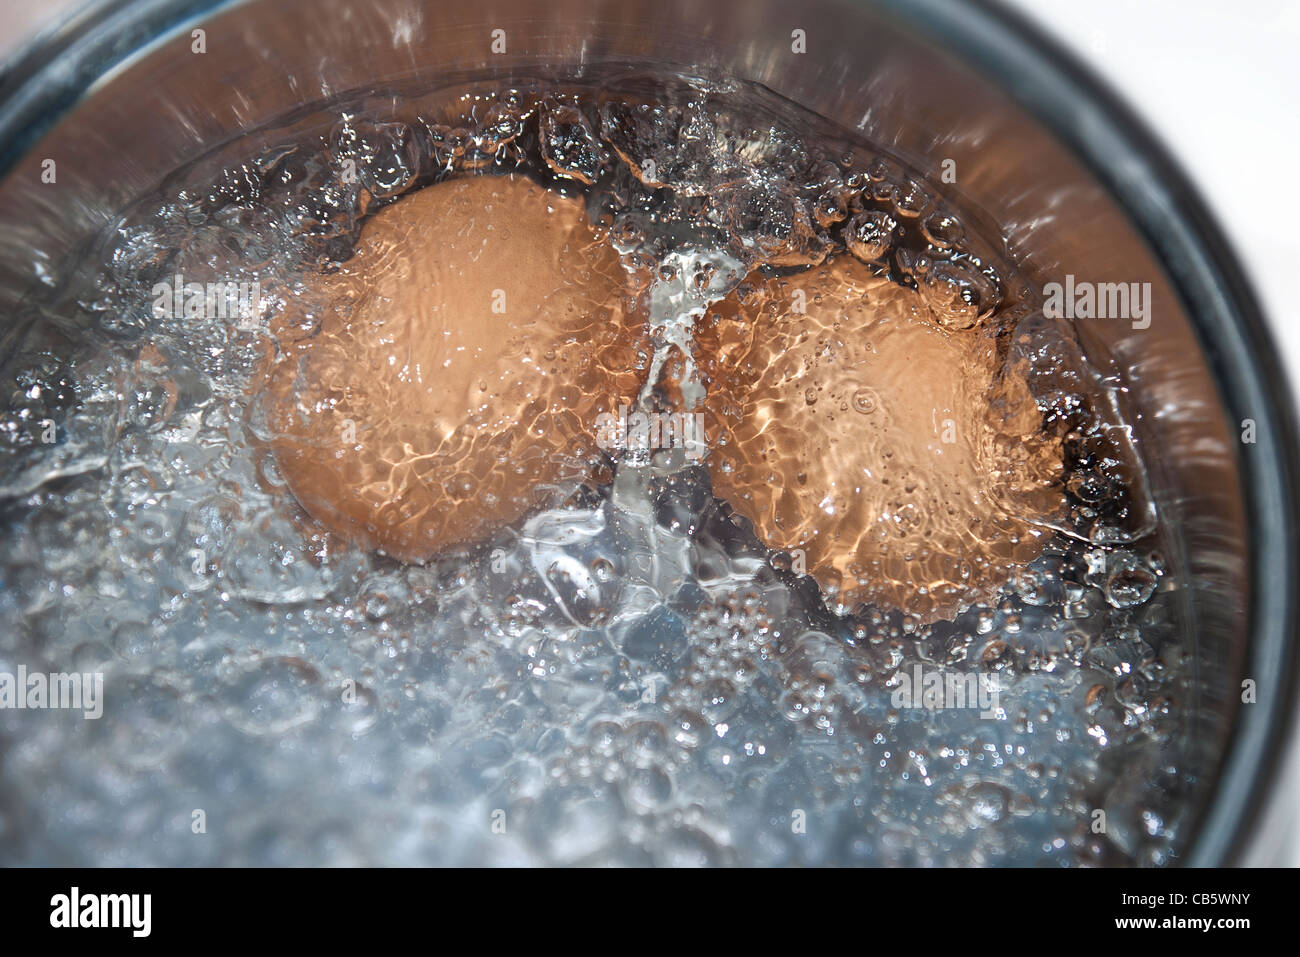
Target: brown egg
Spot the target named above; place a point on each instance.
(445, 382)
(901, 457)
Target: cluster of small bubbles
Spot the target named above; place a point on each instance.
(59, 417)
(568, 143)
(958, 294)
(1110, 503)
(386, 157)
(40, 391)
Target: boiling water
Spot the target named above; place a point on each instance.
(645, 672)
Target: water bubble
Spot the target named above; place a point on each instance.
(865, 401)
(382, 597)
(942, 230)
(911, 199)
(648, 789)
(274, 696)
(1128, 582)
(870, 235)
(987, 803)
(359, 710)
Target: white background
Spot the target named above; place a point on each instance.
(1219, 82)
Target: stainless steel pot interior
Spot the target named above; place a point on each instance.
(1071, 177)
